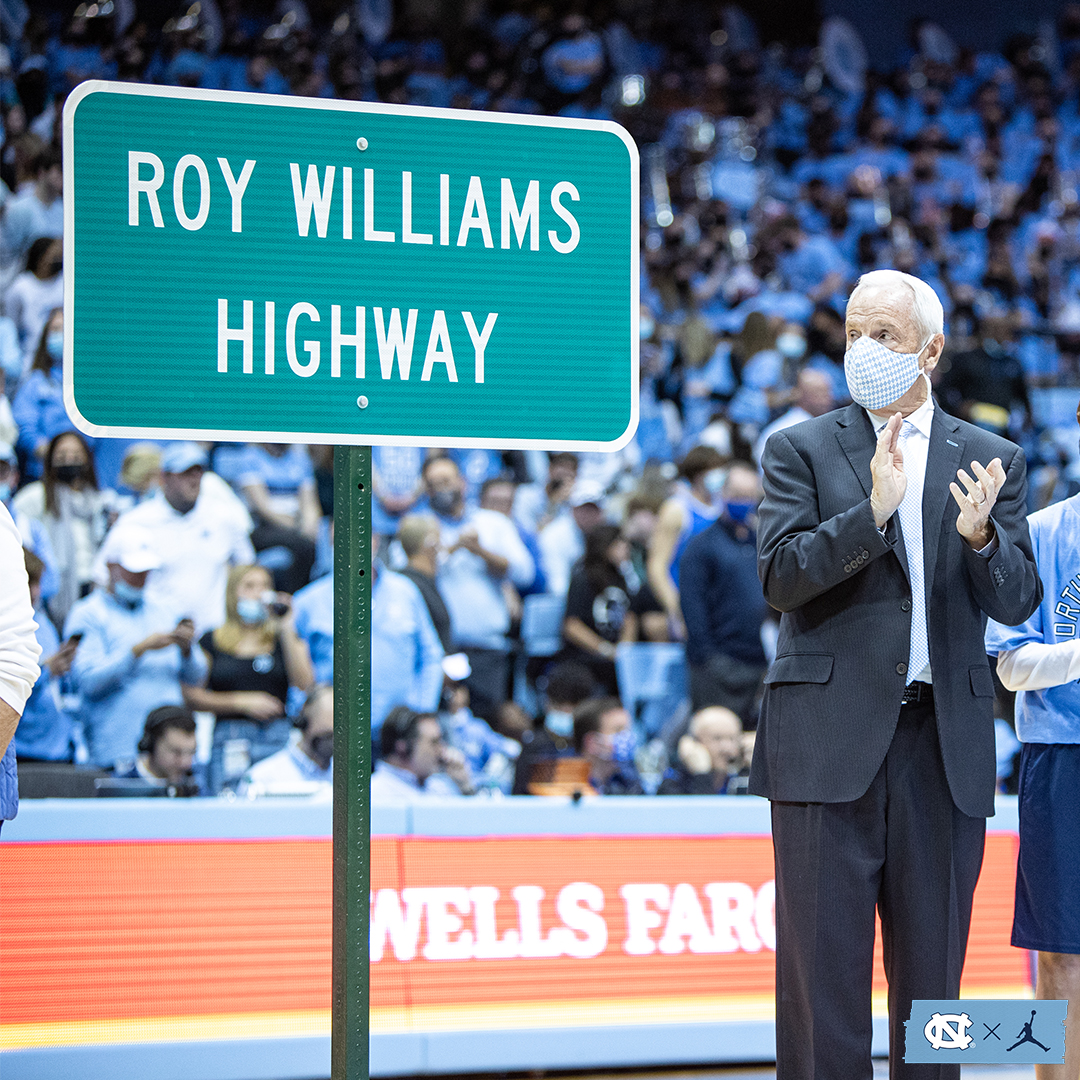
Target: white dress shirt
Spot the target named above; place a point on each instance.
(916, 449)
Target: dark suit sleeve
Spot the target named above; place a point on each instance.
(1006, 586)
(799, 555)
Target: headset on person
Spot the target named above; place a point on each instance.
(164, 716)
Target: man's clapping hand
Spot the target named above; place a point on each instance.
(976, 501)
(887, 466)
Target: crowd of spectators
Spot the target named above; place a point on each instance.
(184, 592)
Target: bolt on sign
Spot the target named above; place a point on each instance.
(293, 270)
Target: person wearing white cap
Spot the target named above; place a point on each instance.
(198, 529)
(134, 652)
(562, 542)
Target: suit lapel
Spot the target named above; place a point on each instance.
(858, 441)
(943, 459)
(856, 438)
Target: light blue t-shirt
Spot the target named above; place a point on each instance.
(118, 688)
(1051, 715)
(406, 656)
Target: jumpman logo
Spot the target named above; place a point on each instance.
(1025, 1036)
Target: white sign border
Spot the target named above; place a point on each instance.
(96, 86)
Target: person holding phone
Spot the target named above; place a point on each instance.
(133, 653)
(254, 658)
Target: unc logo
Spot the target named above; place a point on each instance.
(263, 663)
(948, 1031)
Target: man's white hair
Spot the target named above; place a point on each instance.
(925, 305)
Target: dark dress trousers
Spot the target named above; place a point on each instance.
(875, 805)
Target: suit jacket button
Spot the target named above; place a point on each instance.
(901, 669)
(864, 553)
(847, 568)
(905, 605)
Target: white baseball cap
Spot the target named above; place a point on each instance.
(131, 547)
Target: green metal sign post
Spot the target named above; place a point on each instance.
(352, 760)
(244, 267)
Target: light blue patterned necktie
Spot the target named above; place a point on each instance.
(910, 512)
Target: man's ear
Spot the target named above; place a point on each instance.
(933, 353)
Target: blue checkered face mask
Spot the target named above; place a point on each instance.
(877, 376)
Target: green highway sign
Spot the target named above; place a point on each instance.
(250, 267)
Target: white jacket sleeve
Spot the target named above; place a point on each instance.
(19, 649)
(1036, 666)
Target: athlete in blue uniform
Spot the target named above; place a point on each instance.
(1040, 660)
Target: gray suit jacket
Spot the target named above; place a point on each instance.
(832, 696)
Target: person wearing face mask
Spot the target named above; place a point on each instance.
(722, 602)
(133, 654)
(38, 405)
(691, 508)
(73, 511)
(200, 529)
(309, 757)
(888, 533)
(253, 658)
(564, 688)
(791, 342)
(602, 736)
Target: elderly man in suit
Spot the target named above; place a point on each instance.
(876, 740)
